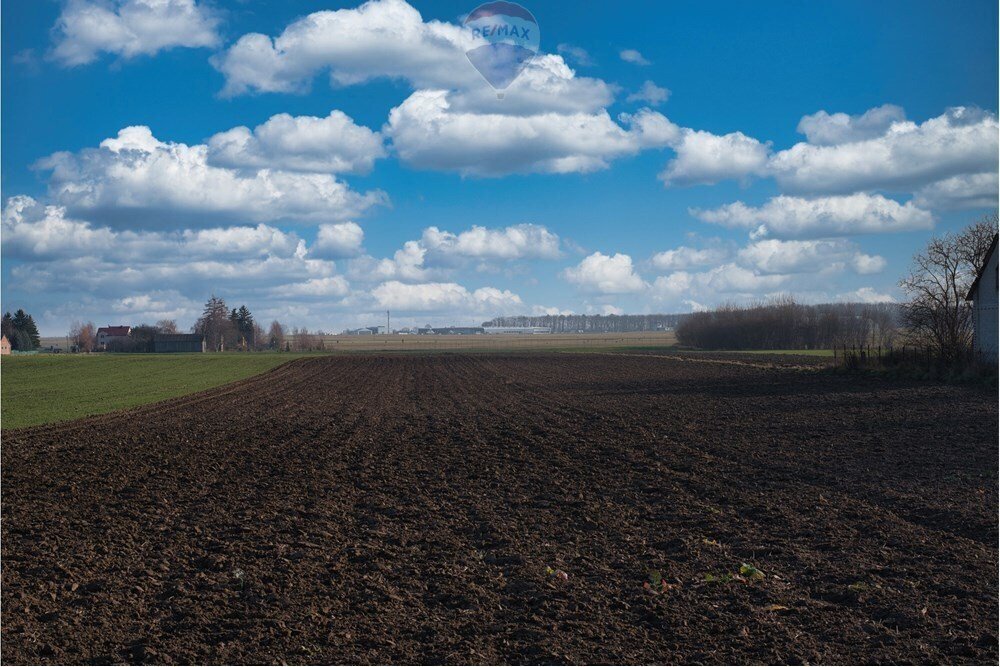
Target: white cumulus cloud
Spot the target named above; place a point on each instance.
(299, 143)
(427, 133)
(130, 28)
(825, 129)
(777, 256)
(381, 38)
(684, 257)
(338, 240)
(525, 241)
(136, 174)
(785, 216)
(443, 296)
(605, 274)
(960, 192)
(905, 157)
(706, 158)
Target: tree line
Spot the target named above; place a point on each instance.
(21, 331)
(783, 324)
(224, 328)
(935, 317)
(236, 329)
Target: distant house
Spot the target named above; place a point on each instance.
(178, 343)
(4, 345)
(983, 295)
(109, 334)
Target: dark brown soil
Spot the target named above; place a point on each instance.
(510, 509)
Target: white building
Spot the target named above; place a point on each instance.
(109, 334)
(983, 295)
(507, 331)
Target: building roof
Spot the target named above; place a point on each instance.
(120, 330)
(989, 253)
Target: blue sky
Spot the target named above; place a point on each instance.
(660, 158)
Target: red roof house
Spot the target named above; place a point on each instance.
(110, 334)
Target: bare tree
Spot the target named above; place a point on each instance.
(276, 336)
(260, 340)
(975, 240)
(937, 314)
(166, 326)
(83, 336)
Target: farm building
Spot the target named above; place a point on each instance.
(983, 295)
(516, 331)
(453, 331)
(110, 334)
(4, 345)
(178, 343)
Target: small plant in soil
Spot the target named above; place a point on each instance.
(750, 572)
(655, 583)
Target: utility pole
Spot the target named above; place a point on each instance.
(387, 329)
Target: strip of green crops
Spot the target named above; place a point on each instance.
(42, 389)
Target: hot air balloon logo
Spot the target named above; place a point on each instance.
(506, 37)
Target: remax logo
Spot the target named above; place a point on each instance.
(506, 37)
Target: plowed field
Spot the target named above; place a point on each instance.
(510, 508)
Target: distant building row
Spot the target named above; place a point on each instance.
(452, 331)
(111, 336)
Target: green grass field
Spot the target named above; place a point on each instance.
(42, 389)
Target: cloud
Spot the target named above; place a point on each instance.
(605, 274)
(576, 54)
(868, 264)
(330, 286)
(332, 144)
(406, 264)
(684, 257)
(865, 295)
(706, 158)
(35, 231)
(775, 256)
(339, 240)
(633, 56)
(550, 120)
(823, 129)
(429, 297)
(650, 93)
(438, 252)
(31, 229)
(525, 241)
(155, 274)
(960, 192)
(427, 133)
(135, 174)
(728, 279)
(381, 38)
(148, 275)
(905, 157)
(130, 28)
(785, 216)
